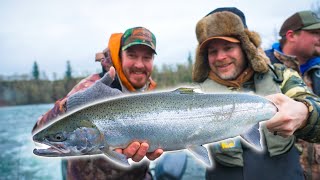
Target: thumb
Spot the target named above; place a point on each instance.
(112, 72)
(108, 77)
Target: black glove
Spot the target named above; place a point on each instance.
(99, 90)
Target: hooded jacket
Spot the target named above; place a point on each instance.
(114, 48)
(97, 167)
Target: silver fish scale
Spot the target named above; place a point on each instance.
(173, 121)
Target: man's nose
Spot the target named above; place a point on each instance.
(221, 55)
(139, 63)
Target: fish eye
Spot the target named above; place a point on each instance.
(57, 137)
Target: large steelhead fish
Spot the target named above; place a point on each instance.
(175, 120)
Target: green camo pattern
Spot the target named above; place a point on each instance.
(138, 35)
(294, 87)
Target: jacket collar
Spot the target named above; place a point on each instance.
(292, 61)
(288, 60)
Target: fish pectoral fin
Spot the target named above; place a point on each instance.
(118, 158)
(201, 153)
(253, 137)
(187, 90)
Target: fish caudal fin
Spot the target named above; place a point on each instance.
(201, 153)
(253, 137)
(118, 158)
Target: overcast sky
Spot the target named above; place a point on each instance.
(52, 32)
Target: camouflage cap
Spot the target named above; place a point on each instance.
(303, 20)
(138, 35)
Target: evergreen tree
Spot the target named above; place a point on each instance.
(190, 59)
(68, 71)
(35, 71)
(190, 64)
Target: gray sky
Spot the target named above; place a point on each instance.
(52, 32)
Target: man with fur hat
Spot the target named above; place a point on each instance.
(299, 49)
(129, 63)
(229, 59)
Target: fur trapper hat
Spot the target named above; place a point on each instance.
(226, 24)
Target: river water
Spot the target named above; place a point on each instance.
(17, 161)
(16, 158)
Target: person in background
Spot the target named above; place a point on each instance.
(229, 59)
(299, 49)
(129, 63)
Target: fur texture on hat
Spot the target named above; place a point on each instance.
(227, 24)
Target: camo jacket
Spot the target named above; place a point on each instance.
(310, 152)
(281, 79)
(291, 85)
(277, 56)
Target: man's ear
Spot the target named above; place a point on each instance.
(290, 35)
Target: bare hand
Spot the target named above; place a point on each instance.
(112, 72)
(291, 115)
(137, 152)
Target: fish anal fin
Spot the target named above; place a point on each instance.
(117, 158)
(253, 137)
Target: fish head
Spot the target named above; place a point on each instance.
(69, 139)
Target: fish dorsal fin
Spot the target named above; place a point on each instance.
(188, 90)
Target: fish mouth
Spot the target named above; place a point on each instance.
(51, 150)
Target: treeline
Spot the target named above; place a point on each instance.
(34, 90)
(173, 75)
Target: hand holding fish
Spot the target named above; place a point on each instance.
(291, 115)
(165, 121)
(137, 152)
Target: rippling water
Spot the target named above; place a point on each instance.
(16, 158)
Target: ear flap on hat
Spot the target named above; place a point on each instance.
(227, 24)
(201, 30)
(201, 67)
(254, 37)
(250, 42)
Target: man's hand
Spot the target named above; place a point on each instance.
(137, 151)
(291, 116)
(108, 78)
